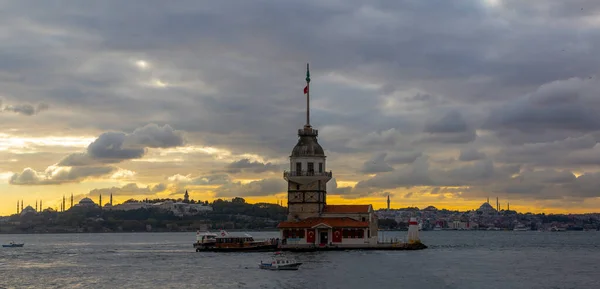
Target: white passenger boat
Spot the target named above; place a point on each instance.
(278, 262)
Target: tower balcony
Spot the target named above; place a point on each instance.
(308, 131)
(305, 177)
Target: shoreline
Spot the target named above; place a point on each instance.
(122, 232)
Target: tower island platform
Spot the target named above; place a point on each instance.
(312, 224)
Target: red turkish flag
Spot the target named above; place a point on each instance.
(337, 236)
(310, 236)
(306, 89)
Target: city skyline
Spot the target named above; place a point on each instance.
(208, 98)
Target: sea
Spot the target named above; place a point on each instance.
(454, 259)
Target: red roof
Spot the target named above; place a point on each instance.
(346, 209)
(344, 222)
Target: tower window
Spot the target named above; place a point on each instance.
(311, 168)
(320, 167)
(298, 167)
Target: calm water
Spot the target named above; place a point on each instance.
(455, 259)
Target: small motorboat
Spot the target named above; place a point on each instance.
(278, 262)
(13, 245)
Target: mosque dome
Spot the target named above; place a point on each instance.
(307, 145)
(486, 208)
(28, 210)
(86, 202)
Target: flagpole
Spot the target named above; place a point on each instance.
(307, 96)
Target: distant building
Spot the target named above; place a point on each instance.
(28, 210)
(86, 203)
(487, 209)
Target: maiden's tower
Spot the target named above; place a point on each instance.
(311, 221)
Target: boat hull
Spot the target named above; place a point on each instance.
(258, 248)
(13, 246)
(266, 266)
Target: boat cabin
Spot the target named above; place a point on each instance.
(205, 238)
(237, 240)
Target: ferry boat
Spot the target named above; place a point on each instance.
(225, 242)
(279, 263)
(13, 245)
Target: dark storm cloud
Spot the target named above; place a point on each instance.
(571, 104)
(470, 154)
(108, 148)
(510, 80)
(451, 122)
(58, 176)
(114, 147)
(129, 189)
(25, 109)
(376, 164)
(245, 165)
(263, 187)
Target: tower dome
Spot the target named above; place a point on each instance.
(307, 145)
(307, 177)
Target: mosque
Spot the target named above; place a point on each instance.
(311, 221)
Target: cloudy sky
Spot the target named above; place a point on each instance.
(433, 102)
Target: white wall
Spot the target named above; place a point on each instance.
(305, 161)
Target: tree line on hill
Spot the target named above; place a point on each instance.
(230, 215)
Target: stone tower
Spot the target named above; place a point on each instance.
(307, 177)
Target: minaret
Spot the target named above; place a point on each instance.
(41, 208)
(388, 202)
(64, 202)
(71, 200)
(111, 199)
(307, 178)
(21, 205)
(488, 200)
(36, 208)
(17, 207)
(100, 201)
(508, 206)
